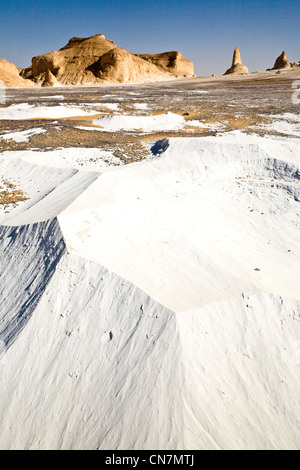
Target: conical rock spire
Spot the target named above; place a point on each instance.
(237, 67)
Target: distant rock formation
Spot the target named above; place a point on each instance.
(9, 75)
(70, 65)
(118, 65)
(172, 62)
(281, 62)
(236, 67)
(93, 60)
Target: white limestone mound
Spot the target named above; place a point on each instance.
(49, 190)
(80, 158)
(195, 195)
(23, 111)
(160, 297)
(22, 136)
(167, 121)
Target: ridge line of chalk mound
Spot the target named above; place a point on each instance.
(60, 192)
(137, 228)
(49, 253)
(31, 256)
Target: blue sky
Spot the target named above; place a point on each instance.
(205, 32)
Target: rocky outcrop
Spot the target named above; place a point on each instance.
(70, 65)
(93, 60)
(172, 62)
(118, 65)
(281, 62)
(9, 75)
(49, 80)
(237, 67)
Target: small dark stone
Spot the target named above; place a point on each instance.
(160, 146)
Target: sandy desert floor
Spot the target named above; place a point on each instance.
(150, 265)
(221, 104)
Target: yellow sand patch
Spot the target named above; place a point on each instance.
(10, 195)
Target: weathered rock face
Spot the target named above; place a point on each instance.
(281, 62)
(85, 61)
(118, 65)
(236, 67)
(49, 80)
(172, 62)
(9, 74)
(70, 65)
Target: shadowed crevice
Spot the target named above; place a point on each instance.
(29, 256)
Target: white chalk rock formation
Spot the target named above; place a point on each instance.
(160, 297)
(94, 60)
(237, 67)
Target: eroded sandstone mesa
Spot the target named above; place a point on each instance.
(173, 62)
(281, 62)
(118, 65)
(236, 67)
(88, 61)
(70, 65)
(9, 75)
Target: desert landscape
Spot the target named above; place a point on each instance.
(150, 252)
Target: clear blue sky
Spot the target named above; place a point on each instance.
(205, 32)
